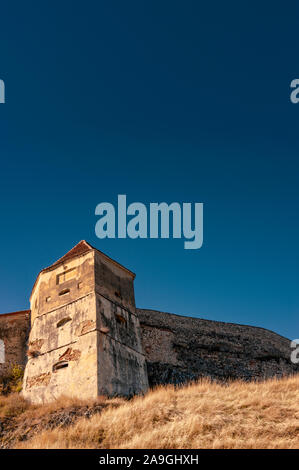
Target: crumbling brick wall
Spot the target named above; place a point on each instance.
(14, 330)
(179, 349)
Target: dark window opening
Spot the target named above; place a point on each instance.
(63, 321)
(64, 292)
(60, 365)
(120, 319)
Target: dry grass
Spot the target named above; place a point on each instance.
(12, 405)
(202, 415)
(20, 421)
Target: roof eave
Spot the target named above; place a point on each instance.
(92, 248)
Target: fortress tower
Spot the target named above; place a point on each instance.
(85, 337)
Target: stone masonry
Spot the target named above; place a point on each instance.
(85, 335)
(88, 339)
(179, 349)
(14, 330)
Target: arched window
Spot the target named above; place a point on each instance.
(2, 352)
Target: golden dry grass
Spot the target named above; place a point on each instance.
(13, 405)
(201, 415)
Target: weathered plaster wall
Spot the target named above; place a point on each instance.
(100, 341)
(44, 383)
(114, 282)
(85, 336)
(63, 326)
(62, 353)
(88, 339)
(121, 361)
(122, 371)
(14, 330)
(48, 292)
(180, 348)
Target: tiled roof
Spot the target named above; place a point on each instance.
(24, 312)
(81, 248)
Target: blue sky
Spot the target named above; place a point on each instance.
(162, 101)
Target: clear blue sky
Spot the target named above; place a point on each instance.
(162, 101)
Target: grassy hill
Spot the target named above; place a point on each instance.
(200, 415)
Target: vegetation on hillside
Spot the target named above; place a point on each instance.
(200, 415)
(12, 381)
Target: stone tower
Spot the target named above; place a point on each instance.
(85, 337)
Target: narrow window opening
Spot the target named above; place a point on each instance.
(63, 321)
(64, 292)
(120, 319)
(48, 299)
(60, 365)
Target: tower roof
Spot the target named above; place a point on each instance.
(19, 312)
(80, 249)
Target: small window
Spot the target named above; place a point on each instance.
(120, 319)
(64, 292)
(60, 365)
(80, 284)
(2, 352)
(63, 321)
(117, 294)
(48, 299)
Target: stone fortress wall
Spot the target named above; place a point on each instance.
(84, 336)
(179, 349)
(14, 331)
